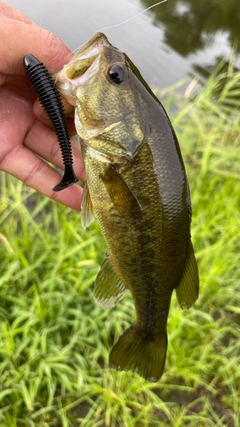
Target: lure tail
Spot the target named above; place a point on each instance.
(49, 97)
(144, 355)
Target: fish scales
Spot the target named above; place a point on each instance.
(138, 191)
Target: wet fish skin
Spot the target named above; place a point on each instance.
(137, 189)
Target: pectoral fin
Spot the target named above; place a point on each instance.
(87, 209)
(121, 195)
(187, 290)
(108, 289)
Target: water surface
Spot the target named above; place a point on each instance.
(178, 38)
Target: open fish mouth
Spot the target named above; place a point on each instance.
(83, 66)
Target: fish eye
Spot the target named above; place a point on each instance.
(117, 74)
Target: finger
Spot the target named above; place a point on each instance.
(26, 39)
(43, 141)
(17, 120)
(24, 165)
(46, 121)
(16, 116)
(39, 112)
(68, 110)
(11, 12)
(21, 81)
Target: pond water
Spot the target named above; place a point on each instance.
(176, 39)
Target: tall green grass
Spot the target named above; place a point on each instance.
(54, 340)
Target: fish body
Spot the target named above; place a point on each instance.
(137, 189)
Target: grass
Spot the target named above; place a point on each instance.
(54, 340)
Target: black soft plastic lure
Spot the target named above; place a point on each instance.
(49, 97)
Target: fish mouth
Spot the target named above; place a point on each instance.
(81, 68)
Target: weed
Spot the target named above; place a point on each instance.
(54, 340)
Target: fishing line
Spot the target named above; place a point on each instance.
(126, 21)
(133, 17)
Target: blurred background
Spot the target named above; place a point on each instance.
(169, 42)
(54, 339)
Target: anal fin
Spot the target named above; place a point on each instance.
(109, 288)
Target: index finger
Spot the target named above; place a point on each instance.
(19, 38)
(11, 12)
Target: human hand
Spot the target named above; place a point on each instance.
(25, 131)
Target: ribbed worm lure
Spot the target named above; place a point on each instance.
(49, 97)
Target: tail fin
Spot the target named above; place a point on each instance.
(144, 355)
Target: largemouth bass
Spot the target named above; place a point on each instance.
(137, 189)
